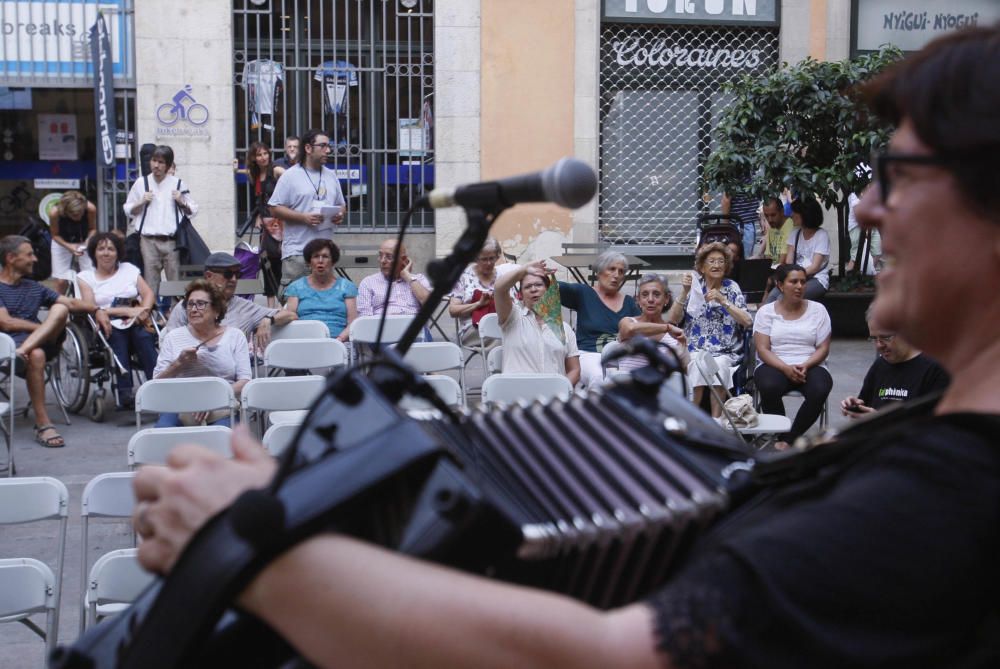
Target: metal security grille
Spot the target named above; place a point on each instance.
(661, 95)
(363, 71)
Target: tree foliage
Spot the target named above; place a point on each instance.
(801, 127)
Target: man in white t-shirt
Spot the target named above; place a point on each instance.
(308, 199)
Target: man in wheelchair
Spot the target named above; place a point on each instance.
(37, 341)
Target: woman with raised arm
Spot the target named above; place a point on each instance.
(530, 345)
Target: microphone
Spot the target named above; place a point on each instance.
(569, 183)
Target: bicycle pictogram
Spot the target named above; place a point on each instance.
(195, 113)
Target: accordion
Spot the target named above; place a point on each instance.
(598, 497)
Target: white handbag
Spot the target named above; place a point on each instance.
(740, 409)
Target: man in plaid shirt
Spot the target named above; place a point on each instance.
(409, 291)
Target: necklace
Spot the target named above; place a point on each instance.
(318, 188)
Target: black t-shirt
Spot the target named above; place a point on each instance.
(892, 562)
(885, 382)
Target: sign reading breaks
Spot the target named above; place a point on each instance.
(722, 12)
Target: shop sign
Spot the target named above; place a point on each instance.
(182, 115)
(717, 12)
(643, 51)
(51, 39)
(910, 24)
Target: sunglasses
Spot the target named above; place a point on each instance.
(227, 274)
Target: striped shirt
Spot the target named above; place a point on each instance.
(402, 301)
(23, 300)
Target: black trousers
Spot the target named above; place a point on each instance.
(773, 386)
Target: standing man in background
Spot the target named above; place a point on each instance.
(156, 205)
(309, 200)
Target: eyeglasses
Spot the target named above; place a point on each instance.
(197, 305)
(882, 339)
(716, 262)
(386, 256)
(227, 274)
(487, 258)
(321, 145)
(882, 160)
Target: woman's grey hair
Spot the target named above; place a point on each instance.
(653, 277)
(609, 258)
(491, 244)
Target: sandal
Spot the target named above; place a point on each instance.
(54, 441)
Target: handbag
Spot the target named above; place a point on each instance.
(191, 248)
(740, 409)
(133, 248)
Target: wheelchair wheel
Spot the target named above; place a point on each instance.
(72, 370)
(97, 407)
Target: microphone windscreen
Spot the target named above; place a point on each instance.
(569, 183)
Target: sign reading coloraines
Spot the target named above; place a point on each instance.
(719, 12)
(104, 92)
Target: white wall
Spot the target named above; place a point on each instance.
(181, 42)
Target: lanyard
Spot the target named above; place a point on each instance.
(319, 189)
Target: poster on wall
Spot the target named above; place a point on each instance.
(57, 137)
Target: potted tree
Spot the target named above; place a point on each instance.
(803, 127)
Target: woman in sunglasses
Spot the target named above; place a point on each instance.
(203, 347)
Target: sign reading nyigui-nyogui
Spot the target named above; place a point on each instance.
(718, 12)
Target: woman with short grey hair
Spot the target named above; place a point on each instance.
(599, 310)
(472, 296)
(653, 296)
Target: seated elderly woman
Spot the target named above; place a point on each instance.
(713, 315)
(124, 306)
(529, 342)
(652, 297)
(472, 297)
(598, 311)
(321, 295)
(792, 336)
(203, 347)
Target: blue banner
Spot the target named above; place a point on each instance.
(104, 92)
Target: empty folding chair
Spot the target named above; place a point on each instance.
(513, 388)
(114, 582)
(200, 393)
(8, 350)
(446, 388)
(279, 436)
(304, 354)
(438, 356)
(767, 424)
(304, 329)
(105, 496)
(494, 361)
(284, 393)
(29, 586)
(152, 445)
(489, 328)
(292, 417)
(364, 331)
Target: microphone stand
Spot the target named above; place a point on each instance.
(444, 273)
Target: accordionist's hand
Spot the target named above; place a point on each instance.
(176, 500)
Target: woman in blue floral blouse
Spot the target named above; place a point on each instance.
(714, 314)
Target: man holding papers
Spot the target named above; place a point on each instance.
(309, 200)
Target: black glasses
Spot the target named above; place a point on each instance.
(882, 339)
(226, 273)
(197, 305)
(321, 145)
(881, 161)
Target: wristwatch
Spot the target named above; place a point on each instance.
(270, 317)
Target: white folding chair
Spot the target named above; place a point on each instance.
(518, 388)
(304, 354)
(494, 361)
(438, 356)
(8, 354)
(304, 329)
(279, 436)
(489, 327)
(152, 445)
(29, 586)
(114, 582)
(282, 393)
(767, 424)
(199, 393)
(364, 331)
(292, 417)
(446, 388)
(105, 496)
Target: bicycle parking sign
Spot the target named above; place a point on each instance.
(183, 116)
